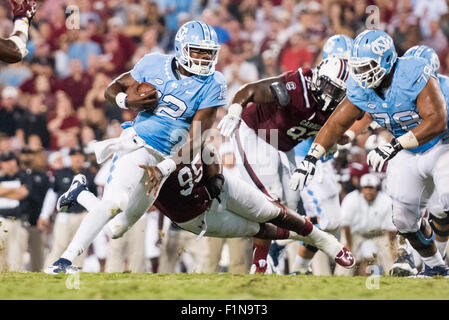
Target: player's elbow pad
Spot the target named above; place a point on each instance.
(279, 90)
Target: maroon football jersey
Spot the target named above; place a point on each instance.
(300, 120)
(184, 196)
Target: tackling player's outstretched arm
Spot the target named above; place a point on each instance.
(257, 92)
(117, 93)
(202, 121)
(344, 116)
(335, 127)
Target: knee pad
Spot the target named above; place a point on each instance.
(442, 222)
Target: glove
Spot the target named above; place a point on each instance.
(228, 125)
(377, 157)
(25, 9)
(214, 186)
(304, 173)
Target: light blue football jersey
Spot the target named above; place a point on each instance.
(397, 112)
(166, 128)
(444, 85)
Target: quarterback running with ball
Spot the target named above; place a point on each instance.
(403, 96)
(187, 90)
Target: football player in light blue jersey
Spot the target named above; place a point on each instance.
(438, 219)
(320, 198)
(187, 89)
(404, 96)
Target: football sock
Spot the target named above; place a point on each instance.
(434, 260)
(441, 246)
(91, 225)
(88, 200)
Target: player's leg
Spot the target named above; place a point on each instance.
(115, 258)
(321, 204)
(215, 246)
(410, 189)
(126, 181)
(253, 205)
(240, 255)
(136, 249)
(438, 206)
(170, 254)
(259, 164)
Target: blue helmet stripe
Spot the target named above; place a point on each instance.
(202, 29)
(206, 31)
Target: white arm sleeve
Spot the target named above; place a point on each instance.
(49, 205)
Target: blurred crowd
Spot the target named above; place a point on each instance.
(52, 104)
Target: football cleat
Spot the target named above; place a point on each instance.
(66, 200)
(345, 258)
(259, 267)
(62, 266)
(438, 271)
(404, 266)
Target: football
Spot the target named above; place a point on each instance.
(144, 88)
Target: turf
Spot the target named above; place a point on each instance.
(214, 287)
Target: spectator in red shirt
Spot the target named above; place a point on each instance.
(64, 127)
(298, 55)
(113, 61)
(77, 84)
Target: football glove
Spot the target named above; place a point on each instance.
(377, 157)
(304, 173)
(214, 186)
(228, 125)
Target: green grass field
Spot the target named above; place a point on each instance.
(214, 287)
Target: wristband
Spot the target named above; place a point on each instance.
(121, 99)
(22, 25)
(408, 140)
(316, 151)
(235, 110)
(20, 45)
(350, 134)
(167, 167)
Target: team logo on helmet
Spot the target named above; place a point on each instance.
(381, 45)
(181, 34)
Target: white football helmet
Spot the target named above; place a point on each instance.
(329, 82)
